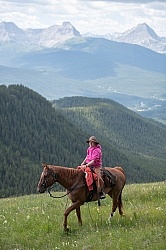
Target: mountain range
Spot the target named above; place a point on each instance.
(58, 61)
(53, 36)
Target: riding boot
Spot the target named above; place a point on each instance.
(102, 195)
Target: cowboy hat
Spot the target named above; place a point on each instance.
(92, 139)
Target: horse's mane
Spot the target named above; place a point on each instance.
(66, 172)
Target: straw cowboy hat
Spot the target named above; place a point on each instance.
(92, 139)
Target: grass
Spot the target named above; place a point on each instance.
(35, 222)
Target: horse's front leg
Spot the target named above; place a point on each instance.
(75, 205)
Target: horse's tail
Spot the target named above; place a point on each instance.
(121, 170)
(120, 204)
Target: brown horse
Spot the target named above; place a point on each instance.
(74, 182)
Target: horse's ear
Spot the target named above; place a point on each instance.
(44, 165)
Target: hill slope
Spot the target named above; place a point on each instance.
(141, 140)
(32, 132)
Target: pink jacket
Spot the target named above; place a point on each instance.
(94, 153)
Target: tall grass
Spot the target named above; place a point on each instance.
(35, 222)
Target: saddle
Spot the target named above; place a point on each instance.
(108, 178)
(91, 178)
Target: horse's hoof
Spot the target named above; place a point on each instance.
(66, 229)
(110, 218)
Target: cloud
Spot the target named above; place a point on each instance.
(127, 1)
(25, 1)
(95, 16)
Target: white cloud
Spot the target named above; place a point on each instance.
(93, 16)
(126, 1)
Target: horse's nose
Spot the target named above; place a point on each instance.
(41, 189)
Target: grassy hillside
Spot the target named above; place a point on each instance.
(35, 222)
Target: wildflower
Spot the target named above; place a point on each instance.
(159, 208)
(98, 210)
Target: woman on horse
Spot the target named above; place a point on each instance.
(93, 160)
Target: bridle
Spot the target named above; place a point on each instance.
(54, 177)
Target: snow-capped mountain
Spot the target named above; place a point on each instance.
(144, 36)
(141, 35)
(48, 37)
(9, 32)
(53, 35)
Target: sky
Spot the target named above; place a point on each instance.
(87, 16)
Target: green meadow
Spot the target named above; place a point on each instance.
(34, 222)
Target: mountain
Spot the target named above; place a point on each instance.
(141, 35)
(144, 36)
(9, 32)
(34, 130)
(58, 62)
(48, 37)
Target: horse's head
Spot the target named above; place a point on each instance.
(47, 179)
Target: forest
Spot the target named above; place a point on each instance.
(34, 130)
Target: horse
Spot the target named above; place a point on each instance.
(73, 180)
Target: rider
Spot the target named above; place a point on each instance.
(93, 160)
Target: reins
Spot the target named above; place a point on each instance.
(70, 190)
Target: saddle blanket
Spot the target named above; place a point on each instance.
(89, 176)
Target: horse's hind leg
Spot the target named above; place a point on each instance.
(120, 205)
(115, 197)
(78, 212)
